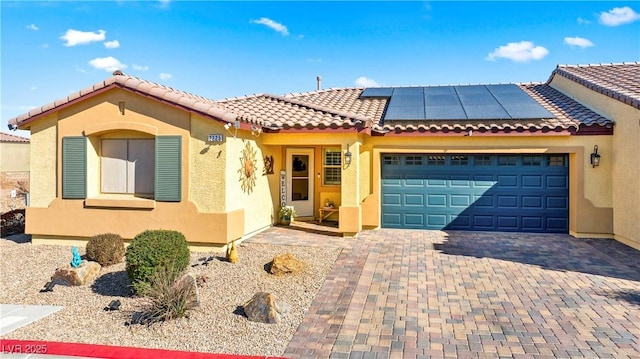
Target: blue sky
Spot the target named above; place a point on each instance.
(227, 49)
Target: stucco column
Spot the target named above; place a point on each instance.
(350, 210)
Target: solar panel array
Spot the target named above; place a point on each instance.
(463, 102)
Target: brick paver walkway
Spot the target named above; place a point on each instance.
(431, 294)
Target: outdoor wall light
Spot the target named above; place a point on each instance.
(236, 126)
(595, 157)
(256, 131)
(347, 157)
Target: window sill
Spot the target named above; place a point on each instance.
(120, 201)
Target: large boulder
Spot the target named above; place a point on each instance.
(189, 284)
(85, 273)
(286, 263)
(264, 308)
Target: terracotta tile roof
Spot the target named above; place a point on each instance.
(163, 93)
(5, 137)
(322, 109)
(568, 113)
(340, 108)
(619, 81)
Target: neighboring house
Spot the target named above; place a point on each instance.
(126, 155)
(14, 172)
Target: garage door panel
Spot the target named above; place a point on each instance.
(436, 200)
(508, 223)
(483, 222)
(557, 181)
(529, 202)
(392, 182)
(557, 202)
(488, 192)
(557, 223)
(391, 219)
(391, 199)
(484, 181)
(414, 181)
(529, 181)
(435, 221)
(414, 200)
(460, 200)
(508, 181)
(532, 223)
(507, 202)
(483, 201)
(439, 181)
(414, 219)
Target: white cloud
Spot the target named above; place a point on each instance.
(33, 88)
(522, 51)
(139, 68)
(75, 37)
(618, 16)
(44, 46)
(112, 44)
(32, 27)
(314, 60)
(164, 3)
(165, 76)
(582, 21)
(272, 24)
(578, 41)
(366, 82)
(107, 63)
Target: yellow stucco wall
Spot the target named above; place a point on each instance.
(253, 194)
(43, 164)
(620, 160)
(50, 217)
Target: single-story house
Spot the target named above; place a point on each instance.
(14, 172)
(126, 155)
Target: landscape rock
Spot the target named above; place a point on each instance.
(85, 273)
(264, 308)
(188, 282)
(286, 263)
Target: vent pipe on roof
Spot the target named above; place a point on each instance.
(319, 79)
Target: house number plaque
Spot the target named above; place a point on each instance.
(216, 137)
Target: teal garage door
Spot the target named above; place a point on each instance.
(514, 193)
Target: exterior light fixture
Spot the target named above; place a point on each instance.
(236, 126)
(347, 156)
(256, 131)
(595, 157)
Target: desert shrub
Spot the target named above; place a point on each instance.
(106, 249)
(12, 222)
(152, 250)
(165, 297)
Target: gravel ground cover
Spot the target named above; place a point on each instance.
(216, 326)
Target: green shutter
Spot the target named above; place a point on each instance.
(168, 168)
(74, 167)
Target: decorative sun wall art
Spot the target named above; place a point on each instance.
(247, 170)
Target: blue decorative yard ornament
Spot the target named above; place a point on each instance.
(76, 260)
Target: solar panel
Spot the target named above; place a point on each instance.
(444, 113)
(407, 100)
(517, 103)
(463, 102)
(404, 113)
(377, 92)
(405, 91)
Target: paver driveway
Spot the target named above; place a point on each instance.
(420, 294)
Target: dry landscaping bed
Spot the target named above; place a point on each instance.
(216, 326)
